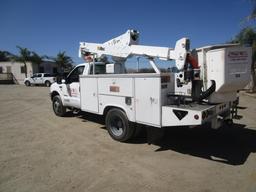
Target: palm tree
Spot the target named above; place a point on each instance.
(252, 15)
(36, 60)
(63, 61)
(247, 36)
(251, 37)
(5, 56)
(24, 57)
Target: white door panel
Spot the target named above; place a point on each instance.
(147, 94)
(39, 79)
(89, 94)
(71, 89)
(71, 94)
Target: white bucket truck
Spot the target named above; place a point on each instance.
(200, 91)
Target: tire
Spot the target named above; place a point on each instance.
(27, 83)
(58, 107)
(118, 126)
(47, 83)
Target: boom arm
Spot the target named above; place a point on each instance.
(126, 45)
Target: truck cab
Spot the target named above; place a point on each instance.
(69, 88)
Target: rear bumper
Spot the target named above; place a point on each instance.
(192, 115)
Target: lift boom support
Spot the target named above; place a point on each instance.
(126, 45)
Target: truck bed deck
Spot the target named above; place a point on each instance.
(192, 106)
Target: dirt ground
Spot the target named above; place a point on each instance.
(42, 152)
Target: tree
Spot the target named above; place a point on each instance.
(36, 60)
(63, 61)
(5, 56)
(251, 38)
(24, 57)
(252, 15)
(247, 36)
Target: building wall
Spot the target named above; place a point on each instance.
(15, 69)
(49, 67)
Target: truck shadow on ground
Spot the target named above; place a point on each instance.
(229, 145)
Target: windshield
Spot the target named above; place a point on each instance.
(142, 65)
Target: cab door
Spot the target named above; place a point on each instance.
(36, 78)
(33, 79)
(39, 78)
(71, 88)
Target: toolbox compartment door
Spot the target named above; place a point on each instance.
(147, 93)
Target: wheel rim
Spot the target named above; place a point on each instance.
(57, 107)
(47, 84)
(116, 126)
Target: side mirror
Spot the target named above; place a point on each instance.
(63, 81)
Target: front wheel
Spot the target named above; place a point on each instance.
(58, 107)
(118, 125)
(27, 83)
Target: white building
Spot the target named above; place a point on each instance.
(18, 69)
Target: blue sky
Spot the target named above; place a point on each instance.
(50, 26)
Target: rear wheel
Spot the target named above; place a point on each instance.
(58, 107)
(47, 83)
(118, 125)
(27, 83)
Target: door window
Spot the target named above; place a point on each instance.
(55, 70)
(41, 69)
(47, 75)
(33, 76)
(22, 69)
(9, 69)
(74, 75)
